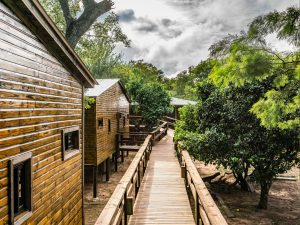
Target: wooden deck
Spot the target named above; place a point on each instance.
(162, 198)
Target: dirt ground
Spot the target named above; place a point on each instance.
(92, 209)
(284, 199)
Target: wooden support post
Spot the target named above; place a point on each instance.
(95, 181)
(122, 155)
(129, 205)
(144, 163)
(107, 168)
(147, 155)
(116, 161)
(183, 171)
(196, 215)
(139, 176)
(125, 222)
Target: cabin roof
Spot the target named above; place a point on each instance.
(103, 85)
(181, 102)
(32, 14)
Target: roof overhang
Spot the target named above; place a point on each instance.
(104, 85)
(32, 14)
(124, 90)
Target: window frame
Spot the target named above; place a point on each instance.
(27, 213)
(67, 154)
(124, 121)
(108, 125)
(100, 119)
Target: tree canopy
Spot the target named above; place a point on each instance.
(247, 58)
(152, 100)
(75, 18)
(222, 130)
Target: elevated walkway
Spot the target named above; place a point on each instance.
(162, 198)
(153, 192)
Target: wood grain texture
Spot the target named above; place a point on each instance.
(162, 198)
(39, 98)
(99, 142)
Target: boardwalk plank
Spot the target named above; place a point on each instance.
(162, 198)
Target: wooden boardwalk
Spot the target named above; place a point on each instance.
(162, 198)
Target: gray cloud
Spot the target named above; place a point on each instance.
(166, 22)
(146, 25)
(126, 15)
(177, 33)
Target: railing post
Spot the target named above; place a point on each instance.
(183, 171)
(197, 209)
(125, 208)
(117, 152)
(144, 163)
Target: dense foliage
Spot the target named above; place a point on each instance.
(248, 116)
(244, 62)
(248, 57)
(184, 85)
(222, 130)
(151, 99)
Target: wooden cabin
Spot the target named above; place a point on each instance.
(42, 83)
(107, 116)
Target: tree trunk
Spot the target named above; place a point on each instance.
(264, 194)
(77, 27)
(242, 182)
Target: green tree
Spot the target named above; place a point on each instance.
(152, 99)
(285, 24)
(184, 85)
(243, 61)
(96, 45)
(147, 71)
(226, 133)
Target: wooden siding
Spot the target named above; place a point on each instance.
(90, 147)
(107, 105)
(38, 98)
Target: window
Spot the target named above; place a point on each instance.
(124, 121)
(109, 125)
(20, 168)
(100, 123)
(70, 142)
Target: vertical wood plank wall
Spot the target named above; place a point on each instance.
(90, 147)
(38, 98)
(107, 105)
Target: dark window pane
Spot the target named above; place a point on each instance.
(19, 188)
(100, 123)
(71, 140)
(109, 126)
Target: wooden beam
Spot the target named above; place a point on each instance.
(95, 180)
(107, 168)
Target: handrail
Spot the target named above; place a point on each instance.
(120, 205)
(159, 131)
(171, 121)
(170, 118)
(206, 211)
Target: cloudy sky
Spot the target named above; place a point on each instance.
(175, 34)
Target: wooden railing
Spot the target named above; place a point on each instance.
(131, 138)
(131, 141)
(160, 131)
(120, 205)
(171, 121)
(206, 212)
